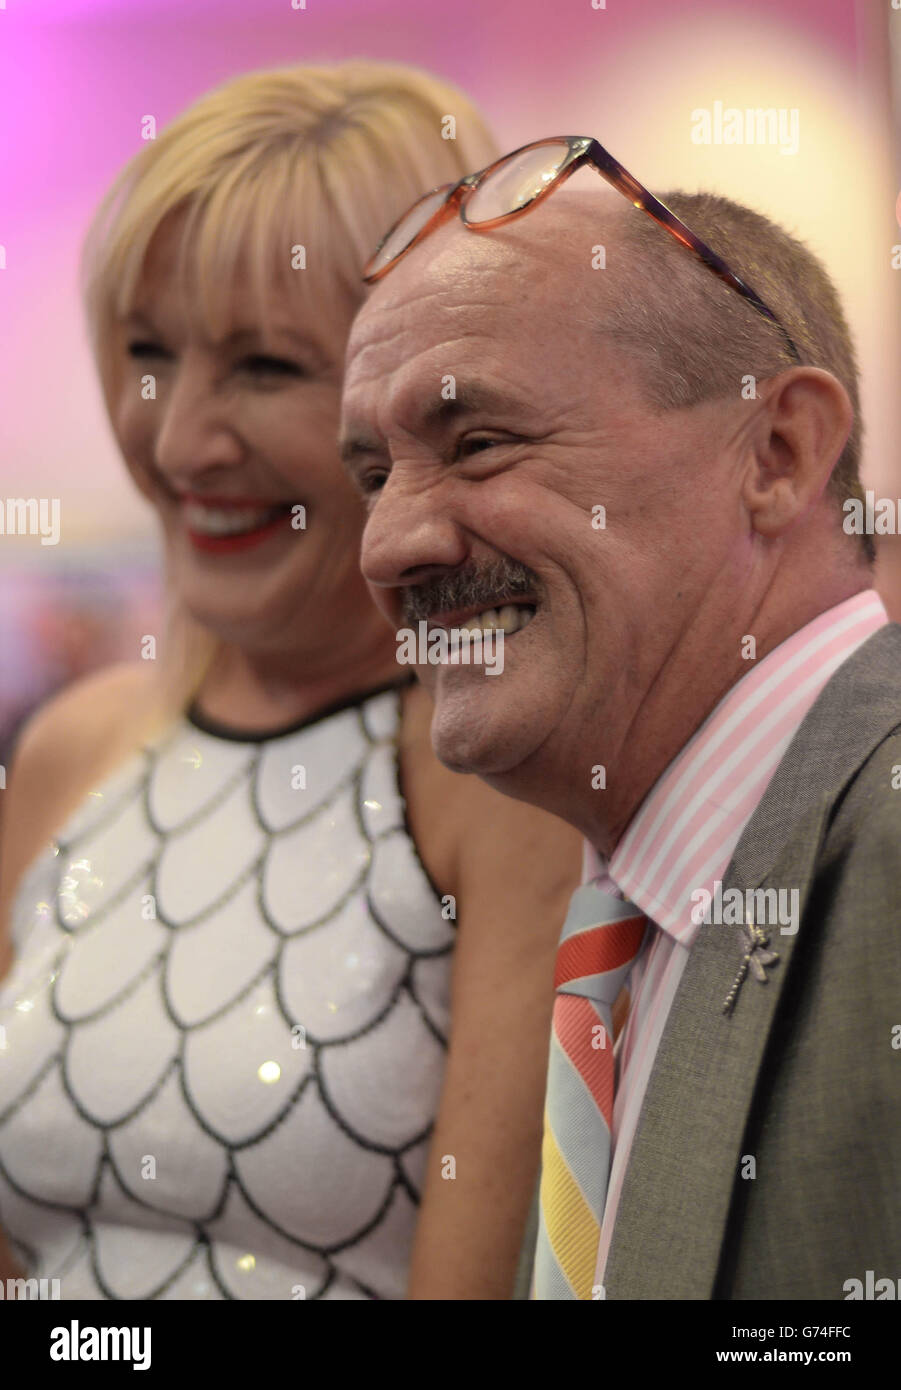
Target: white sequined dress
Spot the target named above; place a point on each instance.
(223, 1037)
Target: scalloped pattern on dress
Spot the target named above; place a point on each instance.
(223, 1037)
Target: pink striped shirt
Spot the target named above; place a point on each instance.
(683, 835)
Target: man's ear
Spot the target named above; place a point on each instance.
(799, 436)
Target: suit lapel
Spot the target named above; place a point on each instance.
(687, 1149)
(686, 1154)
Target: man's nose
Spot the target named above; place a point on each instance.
(409, 536)
(197, 436)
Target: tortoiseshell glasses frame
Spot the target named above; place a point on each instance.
(483, 200)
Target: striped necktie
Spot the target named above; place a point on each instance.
(601, 939)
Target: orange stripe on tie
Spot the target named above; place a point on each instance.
(575, 1019)
(599, 949)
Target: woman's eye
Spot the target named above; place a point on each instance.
(144, 347)
(258, 364)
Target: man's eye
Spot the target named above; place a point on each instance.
(477, 444)
(373, 481)
(259, 364)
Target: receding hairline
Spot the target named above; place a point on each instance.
(559, 236)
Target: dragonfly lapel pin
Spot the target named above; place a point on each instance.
(755, 959)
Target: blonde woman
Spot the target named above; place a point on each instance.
(241, 892)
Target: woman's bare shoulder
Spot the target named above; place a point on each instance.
(90, 701)
(64, 748)
(66, 742)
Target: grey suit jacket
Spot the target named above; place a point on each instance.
(802, 1076)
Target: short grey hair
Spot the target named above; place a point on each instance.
(695, 336)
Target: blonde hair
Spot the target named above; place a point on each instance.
(323, 158)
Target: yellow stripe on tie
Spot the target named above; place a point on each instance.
(571, 1228)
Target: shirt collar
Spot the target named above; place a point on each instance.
(684, 833)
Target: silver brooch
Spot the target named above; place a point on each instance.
(756, 958)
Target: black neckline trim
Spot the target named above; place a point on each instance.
(207, 725)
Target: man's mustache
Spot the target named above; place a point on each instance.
(478, 586)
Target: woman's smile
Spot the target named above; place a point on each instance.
(224, 526)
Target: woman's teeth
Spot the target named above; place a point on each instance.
(227, 521)
(509, 619)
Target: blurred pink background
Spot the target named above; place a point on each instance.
(77, 76)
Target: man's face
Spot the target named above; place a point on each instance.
(491, 498)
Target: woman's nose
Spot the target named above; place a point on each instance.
(198, 433)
